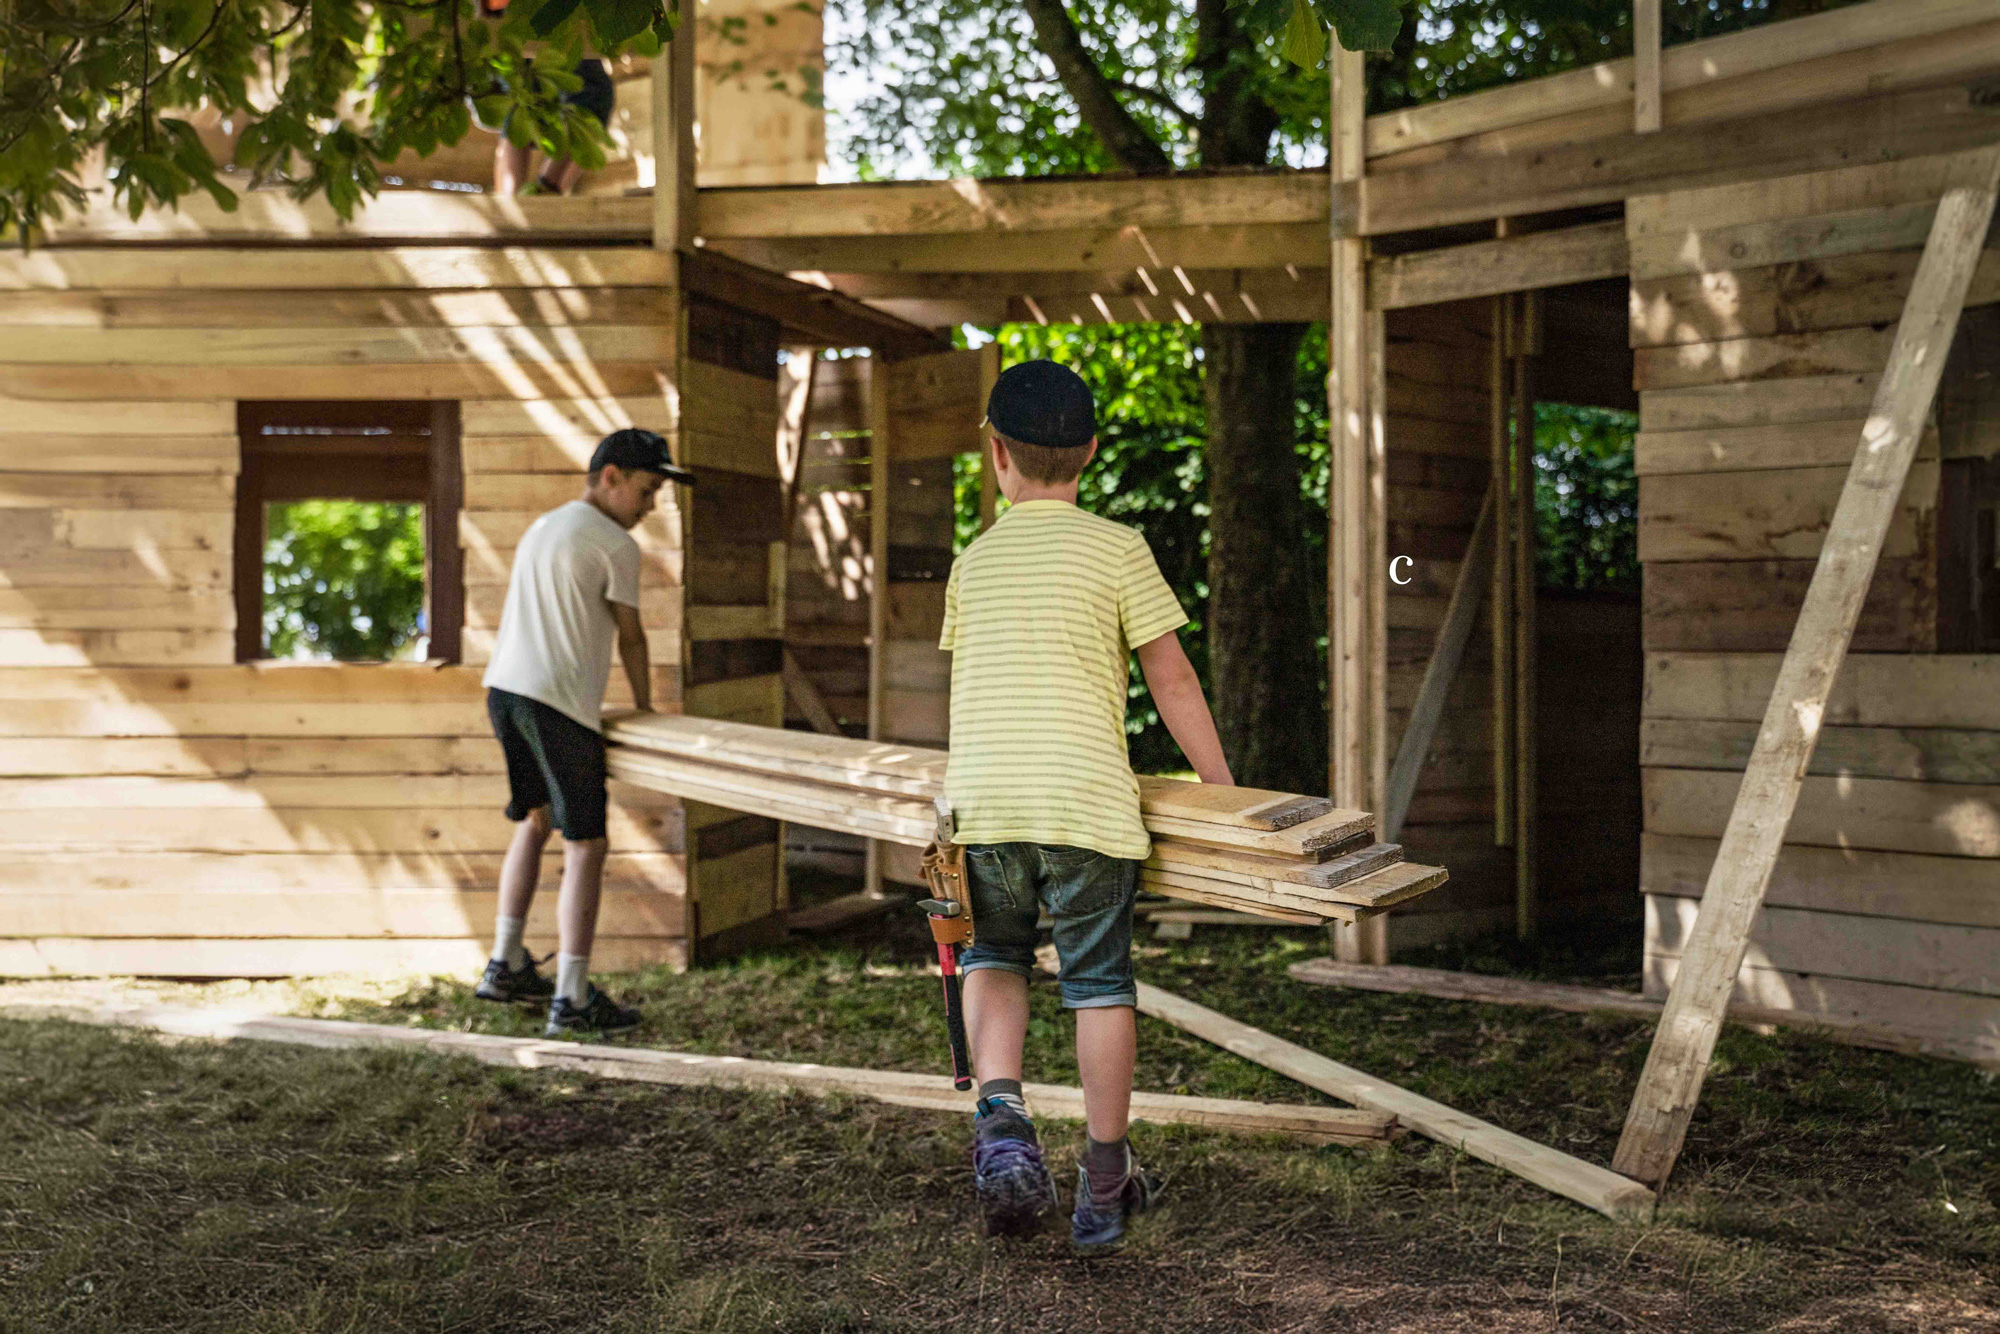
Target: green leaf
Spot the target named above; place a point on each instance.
(1304, 42)
(550, 15)
(1362, 25)
(618, 21)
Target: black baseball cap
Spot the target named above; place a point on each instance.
(635, 448)
(1041, 403)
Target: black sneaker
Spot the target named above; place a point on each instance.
(507, 985)
(1015, 1188)
(598, 1014)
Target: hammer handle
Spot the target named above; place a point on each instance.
(954, 1017)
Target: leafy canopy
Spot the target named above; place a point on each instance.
(343, 579)
(328, 89)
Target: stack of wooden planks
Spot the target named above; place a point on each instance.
(1296, 859)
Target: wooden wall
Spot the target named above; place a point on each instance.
(1439, 452)
(827, 590)
(1762, 317)
(175, 812)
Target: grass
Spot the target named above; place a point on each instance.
(197, 1186)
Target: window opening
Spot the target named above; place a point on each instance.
(347, 531)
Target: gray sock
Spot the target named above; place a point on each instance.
(1005, 1093)
(1107, 1165)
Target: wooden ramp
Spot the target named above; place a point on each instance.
(1275, 854)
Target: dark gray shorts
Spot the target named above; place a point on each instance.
(552, 760)
(1089, 895)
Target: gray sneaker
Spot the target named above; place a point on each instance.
(1098, 1223)
(598, 1014)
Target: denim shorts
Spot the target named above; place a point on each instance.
(1088, 894)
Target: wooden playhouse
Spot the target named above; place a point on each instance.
(1722, 236)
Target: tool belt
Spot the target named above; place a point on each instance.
(944, 872)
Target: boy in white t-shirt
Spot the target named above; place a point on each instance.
(573, 594)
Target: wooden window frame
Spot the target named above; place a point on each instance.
(417, 462)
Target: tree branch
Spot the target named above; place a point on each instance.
(1158, 99)
(1121, 133)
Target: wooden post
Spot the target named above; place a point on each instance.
(673, 140)
(1645, 66)
(1657, 1123)
(1440, 672)
(989, 488)
(1502, 474)
(878, 571)
(1527, 333)
(1356, 601)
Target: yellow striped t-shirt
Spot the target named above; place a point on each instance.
(1040, 615)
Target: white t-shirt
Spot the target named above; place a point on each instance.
(557, 632)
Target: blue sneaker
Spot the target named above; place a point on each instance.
(1016, 1190)
(1099, 1224)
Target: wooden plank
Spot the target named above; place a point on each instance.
(1746, 403)
(1749, 606)
(1599, 170)
(216, 454)
(1664, 1104)
(118, 608)
(897, 820)
(1748, 449)
(116, 648)
(354, 910)
(392, 268)
(1853, 351)
(316, 830)
(533, 345)
(1587, 1184)
(414, 215)
(301, 878)
(1920, 1021)
(1660, 226)
(1687, 67)
(800, 689)
(45, 490)
(253, 683)
(1829, 944)
(1870, 690)
(956, 207)
(1768, 514)
(1221, 895)
(98, 718)
(1440, 672)
(1647, 84)
(1488, 268)
(79, 314)
(57, 956)
(648, 1065)
(1588, 1000)
(1929, 755)
(1960, 890)
(1951, 819)
(1248, 245)
(1376, 889)
(1798, 296)
(1251, 869)
(540, 371)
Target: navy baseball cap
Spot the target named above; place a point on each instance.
(633, 448)
(1041, 403)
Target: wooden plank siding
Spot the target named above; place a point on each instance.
(1761, 321)
(179, 813)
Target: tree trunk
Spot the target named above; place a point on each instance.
(1262, 654)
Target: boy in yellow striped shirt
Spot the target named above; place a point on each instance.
(1040, 614)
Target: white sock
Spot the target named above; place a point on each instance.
(573, 977)
(507, 940)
